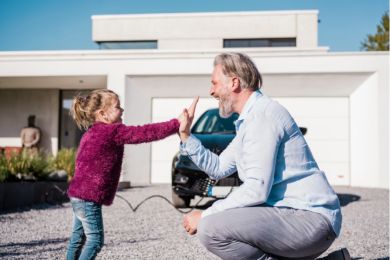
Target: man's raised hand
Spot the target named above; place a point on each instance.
(191, 109)
(186, 119)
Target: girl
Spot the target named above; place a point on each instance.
(98, 164)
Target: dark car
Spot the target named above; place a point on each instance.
(188, 181)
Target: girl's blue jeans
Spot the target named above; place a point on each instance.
(87, 236)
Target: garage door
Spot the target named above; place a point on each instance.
(325, 118)
(327, 121)
(163, 151)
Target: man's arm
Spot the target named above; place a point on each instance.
(260, 145)
(217, 167)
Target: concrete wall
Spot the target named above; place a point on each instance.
(17, 105)
(207, 30)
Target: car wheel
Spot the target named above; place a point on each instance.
(180, 201)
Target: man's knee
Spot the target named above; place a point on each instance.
(207, 232)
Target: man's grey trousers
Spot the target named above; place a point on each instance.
(266, 233)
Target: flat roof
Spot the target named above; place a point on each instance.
(203, 14)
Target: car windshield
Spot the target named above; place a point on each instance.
(211, 123)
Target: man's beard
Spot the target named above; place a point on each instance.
(225, 104)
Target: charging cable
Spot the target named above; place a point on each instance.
(134, 209)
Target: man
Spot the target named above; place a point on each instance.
(285, 207)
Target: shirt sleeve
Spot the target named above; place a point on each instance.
(145, 133)
(217, 167)
(260, 145)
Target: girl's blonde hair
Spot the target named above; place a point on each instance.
(83, 110)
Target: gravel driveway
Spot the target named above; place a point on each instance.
(155, 232)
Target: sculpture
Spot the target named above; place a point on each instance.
(31, 135)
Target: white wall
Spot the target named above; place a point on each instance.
(190, 31)
(365, 138)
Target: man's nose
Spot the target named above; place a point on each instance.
(212, 91)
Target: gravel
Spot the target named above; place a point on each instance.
(155, 231)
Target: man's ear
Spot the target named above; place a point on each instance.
(236, 84)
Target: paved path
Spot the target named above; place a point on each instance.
(155, 232)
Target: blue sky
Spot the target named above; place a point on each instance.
(66, 24)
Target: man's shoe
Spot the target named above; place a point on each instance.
(345, 253)
(341, 254)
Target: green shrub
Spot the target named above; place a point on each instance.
(4, 172)
(40, 166)
(65, 160)
(29, 165)
(26, 165)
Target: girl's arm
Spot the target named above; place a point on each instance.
(146, 133)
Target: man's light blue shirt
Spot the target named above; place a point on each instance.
(272, 159)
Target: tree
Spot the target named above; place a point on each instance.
(380, 40)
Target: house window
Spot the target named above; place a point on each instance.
(259, 42)
(128, 45)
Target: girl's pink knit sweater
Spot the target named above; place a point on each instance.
(99, 158)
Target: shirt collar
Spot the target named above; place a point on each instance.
(247, 107)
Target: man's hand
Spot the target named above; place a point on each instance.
(191, 221)
(185, 120)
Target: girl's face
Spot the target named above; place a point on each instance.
(113, 112)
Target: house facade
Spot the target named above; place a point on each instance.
(158, 62)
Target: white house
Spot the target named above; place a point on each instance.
(158, 62)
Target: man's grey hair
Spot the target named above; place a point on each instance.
(239, 65)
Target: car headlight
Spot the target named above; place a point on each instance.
(181, 179)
